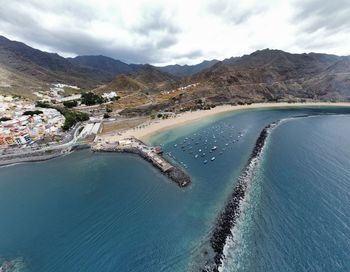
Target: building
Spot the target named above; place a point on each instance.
(109, 95)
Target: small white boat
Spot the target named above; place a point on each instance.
(212, 159)
(214, 148)
(196, 156)
(205, 161)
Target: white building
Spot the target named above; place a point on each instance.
(109, 95)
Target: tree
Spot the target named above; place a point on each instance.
(3, 119)
(70, 104)
(41, 104)
(73, 117)
(91, 99)
(116, 98)
(31, 113)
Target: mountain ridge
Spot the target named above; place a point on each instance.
(264, 75)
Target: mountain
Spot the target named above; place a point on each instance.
(187, 70)
(109, 66)
(29, 69)
(147, 78)
(25, 69)
(272, 75)
(264, 75)
(45, 67)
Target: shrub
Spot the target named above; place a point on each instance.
(91, 99)
(3, 119)
(70, 104)
(31, 113)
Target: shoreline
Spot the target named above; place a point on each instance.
(229, 215)
(146, 132)
(38, 156)
(29, 159)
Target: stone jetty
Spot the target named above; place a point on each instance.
(150, 154)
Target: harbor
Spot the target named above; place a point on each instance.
(148, 153)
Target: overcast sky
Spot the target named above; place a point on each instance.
(177, 31)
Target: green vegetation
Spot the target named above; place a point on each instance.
(70, 104)
(109, 108)
(72, 116)
(41, 104)
(90, 99)
(3, 119)
(31, 113)
(116, 98)
(198, 107)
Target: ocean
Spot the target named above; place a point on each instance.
(114, 212)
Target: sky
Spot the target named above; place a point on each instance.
(165, 32)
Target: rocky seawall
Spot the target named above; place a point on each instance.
(228, 217)
(32, 157)
(36, 156)
(174, 173)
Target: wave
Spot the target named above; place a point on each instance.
(230, 214)
(223, 235)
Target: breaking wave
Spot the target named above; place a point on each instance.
(225, 236)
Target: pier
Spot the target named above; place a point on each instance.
(148, 153)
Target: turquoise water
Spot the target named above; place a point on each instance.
(114, 212)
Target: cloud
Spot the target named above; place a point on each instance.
(75, 29)
(176, 31)
(332, 16)
(234, 11)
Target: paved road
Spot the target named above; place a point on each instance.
(74, 134)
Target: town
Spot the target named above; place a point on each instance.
(58, 123)
(25, 123)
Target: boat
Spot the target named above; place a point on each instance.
(196, 156)
(203, 155)
(175, 145)
(212, 159)
(205, 161)
(214, 148)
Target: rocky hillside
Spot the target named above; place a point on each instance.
(41, 66)
(24, 69)
(265, 75)
(272, 75)
(187, 70)
(147, 78)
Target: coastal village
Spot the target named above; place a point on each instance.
(22, 123)
(60, 121)
(32, 131)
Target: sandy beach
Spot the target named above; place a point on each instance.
(146, 130)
